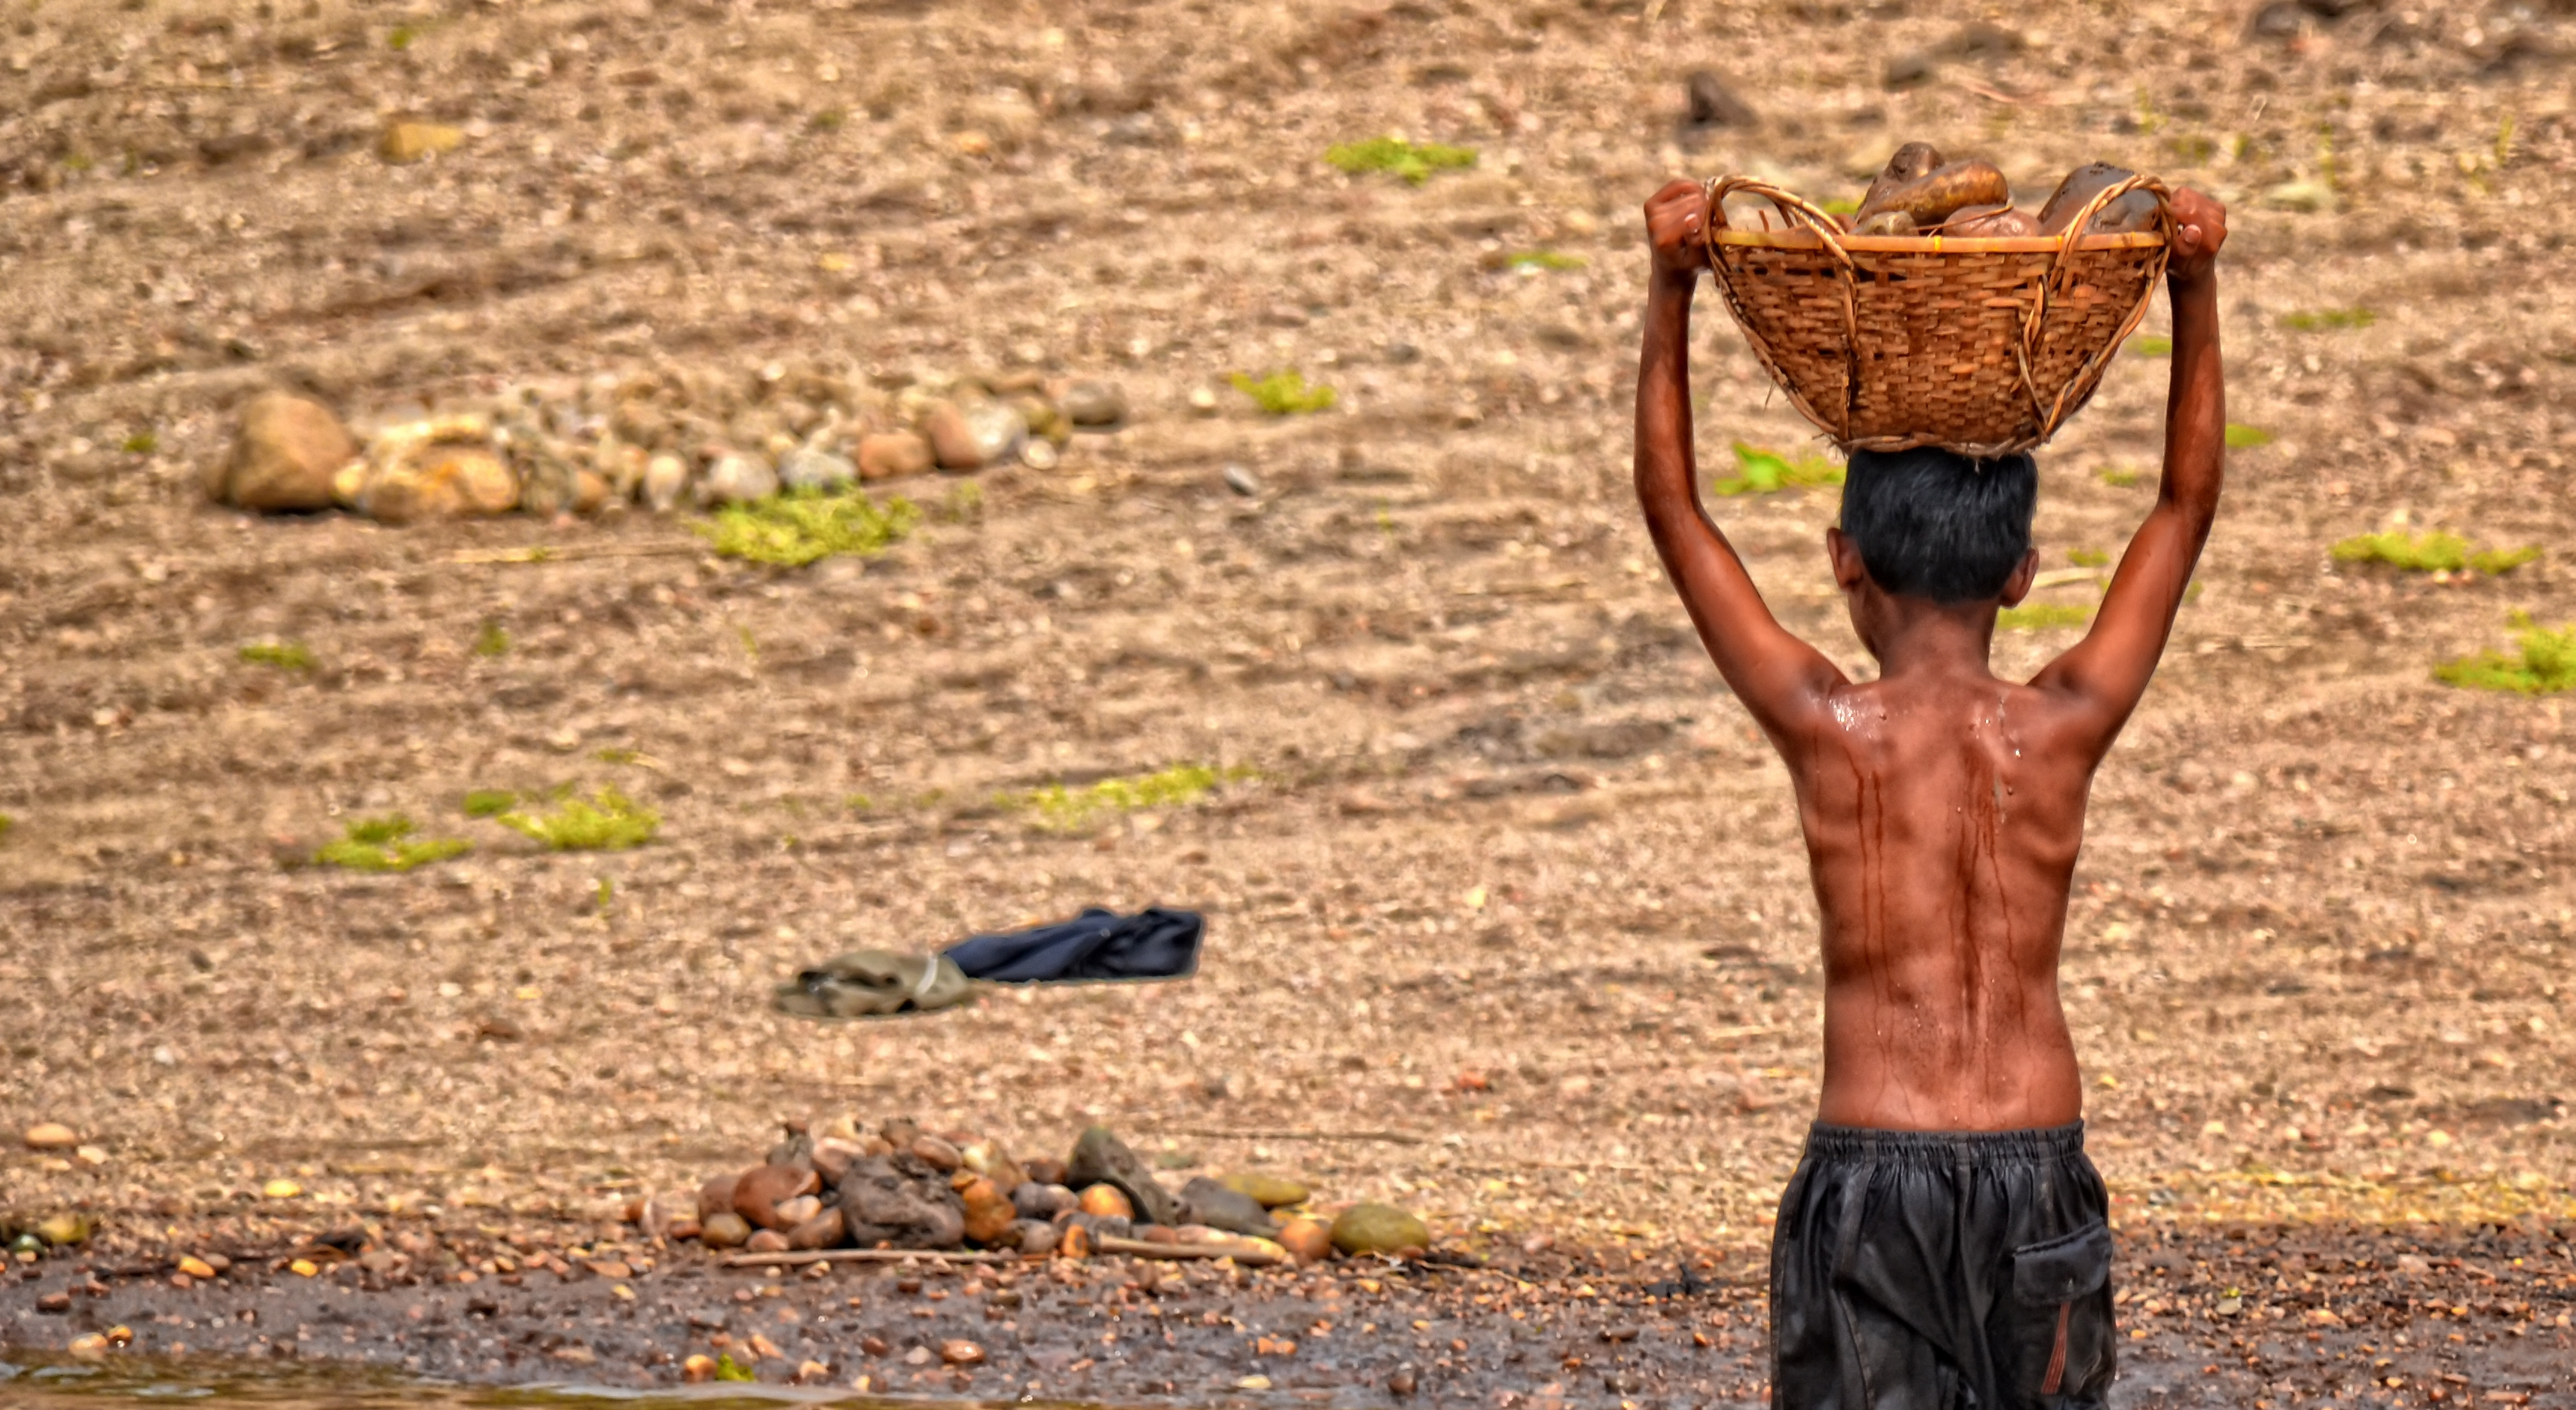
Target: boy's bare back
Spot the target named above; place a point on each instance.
(1943, 807)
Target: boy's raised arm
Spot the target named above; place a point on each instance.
(2110, 668)
(1772, 672)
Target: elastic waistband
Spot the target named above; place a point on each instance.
(1943, 1148)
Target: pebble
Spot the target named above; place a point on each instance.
(406, 142)
(665, 477)
(809, 469)
(724, 1230)
(283, 457)
(1308, 1239)
(196, 1268)
(792, 1212)
(1378, 1228)
(1039, 454)
(1220, 1206)
(1273, 1191)
(1040, 1201)
(1713, 104)
(990, 1160)
(1107, 1202)
(51, 1136)
(736, 479)
(961, 1353)
(1095, 406)
(716, 1196)
(760, 1191)
(833, 1155)
(65, 1230)
(1242, 482)
(1907, 68)
(939, 1155)
(1043, 419)
(827, 1228)
(766, 1241)
(989, 1213)
(892, 455)
(1100, 1158)
(438, 482)
(954, 441)
(1037, 1237)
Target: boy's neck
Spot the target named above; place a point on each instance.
(1917, 637)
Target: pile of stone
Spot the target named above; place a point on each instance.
(658, 441)
(830, 1185)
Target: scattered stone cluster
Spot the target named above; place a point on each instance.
(658, 441)
(829, 1185)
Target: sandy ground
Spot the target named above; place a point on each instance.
(1511, 926)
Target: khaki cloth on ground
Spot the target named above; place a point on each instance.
(872, 984)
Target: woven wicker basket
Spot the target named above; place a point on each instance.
(1887, 343)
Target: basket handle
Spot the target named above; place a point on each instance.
(2052, 411)
(1828, 232)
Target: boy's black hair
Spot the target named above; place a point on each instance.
(1934, 523)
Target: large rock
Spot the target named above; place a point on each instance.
(759, 1192)
(1206, 1201)
(439, 482)
(736, 479)
(988, 1212)
(1379, 1228)
(972, 435)
(283, 457)
(885, 1204)
(1100, 1158)
(1094, 406)
(665, 478)
(811, 469)
(1273, 1191)
(892, 455)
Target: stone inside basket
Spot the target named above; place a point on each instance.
(1985, 346)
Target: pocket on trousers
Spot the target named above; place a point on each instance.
(2063, 1269)
(2063, 1338)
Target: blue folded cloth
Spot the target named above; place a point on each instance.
(1098, 944)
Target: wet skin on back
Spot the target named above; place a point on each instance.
(1943, 808)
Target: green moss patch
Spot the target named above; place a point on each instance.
(2243, 437)
(2040, 616)
(280, 655)
(492, 639)
(489, 802)
(1413, 163)
(801, 527)
(2544, 664)
(2088, 557)
(2328, 320)
(2151, 345)
(2435, 552)
(386, 845)
(2119, 477)
(1533, 261)
(607, 822)
(1074, 809)
(1760, 471)
(1285, 393)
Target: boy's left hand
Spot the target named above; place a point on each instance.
(1676, 227)
(2200, 227)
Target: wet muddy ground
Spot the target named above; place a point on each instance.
(1510, 925)
(2232, 1317)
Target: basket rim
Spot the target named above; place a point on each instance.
(1936, 244)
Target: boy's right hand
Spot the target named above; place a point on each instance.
(1676, 229)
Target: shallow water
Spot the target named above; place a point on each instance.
(27, 1384)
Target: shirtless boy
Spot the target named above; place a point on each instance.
(1943, 1242)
